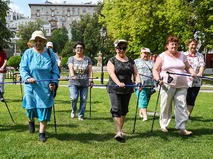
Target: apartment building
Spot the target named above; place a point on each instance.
(59, 15)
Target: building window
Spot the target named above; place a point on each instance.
(84, 10)
(52, 14)
(47, 31)
(63, 19)
(38, 13)
(68, 13)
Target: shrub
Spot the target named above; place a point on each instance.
(14, 61)
(64, 62)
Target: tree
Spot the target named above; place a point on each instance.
(59, 38)
(25, 32)
(88, 31)
(148, 22)
(5, 33)
(203, 15)
(68, 49)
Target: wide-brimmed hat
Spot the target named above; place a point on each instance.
(144, 49)
(37, 34)
(117, 42)
(49, 44)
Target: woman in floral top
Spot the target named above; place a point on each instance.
(196, 60)
(144, 66)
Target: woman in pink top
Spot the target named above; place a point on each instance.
(174, 88)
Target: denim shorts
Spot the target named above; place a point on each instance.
(43, 114)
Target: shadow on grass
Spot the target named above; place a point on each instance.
(82, 137)
(15, 127)
(8, 100)
(200, 119)
(57, 101)
(173, 133)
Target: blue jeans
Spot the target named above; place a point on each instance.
(74, 92)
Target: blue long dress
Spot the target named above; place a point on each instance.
(38, 66)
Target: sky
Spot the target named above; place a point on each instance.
(21, 6)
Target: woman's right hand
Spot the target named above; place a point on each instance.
(121, 84)
(160, 81)
(74, 77)
(31, 80)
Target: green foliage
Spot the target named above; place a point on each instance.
(25, 32)
(87, 30)
(14, 61)
(149, 22)
(64, 62)
(59, 38)
(68, 49)
(5, 33)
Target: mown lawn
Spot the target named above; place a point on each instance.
(93, 137)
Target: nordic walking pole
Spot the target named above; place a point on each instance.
(90, 100)
(54, 119)
(21, 87)
(136, 111)
(54, 112)
(155, 109)
(90, 96)
(9, 111)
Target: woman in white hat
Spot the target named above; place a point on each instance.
(144, 66)
(121, 70)
(37, 64)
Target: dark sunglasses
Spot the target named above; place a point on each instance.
(79, 48)
(121, 48)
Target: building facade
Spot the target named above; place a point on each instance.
(59, 15)
(14, 19)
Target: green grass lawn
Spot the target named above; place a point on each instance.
(93, 137)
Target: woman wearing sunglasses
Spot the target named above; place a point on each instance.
(121, 71)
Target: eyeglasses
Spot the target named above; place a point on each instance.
(79, 47)
(121, 48)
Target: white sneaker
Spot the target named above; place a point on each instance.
(140, 115)
(72, 114)
(80, 118)
(145, 119)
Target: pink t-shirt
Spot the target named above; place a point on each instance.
(174, 65)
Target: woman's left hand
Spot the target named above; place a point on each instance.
(194, 75)
(199, 75)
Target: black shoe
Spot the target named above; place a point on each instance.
(31, 126)
(2, 99)
(119, 137)
(42, 137)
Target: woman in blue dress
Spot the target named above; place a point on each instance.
(38, 63)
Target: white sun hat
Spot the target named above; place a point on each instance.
(49, 44)
(120, 41)
(144, 49)
(37, 34)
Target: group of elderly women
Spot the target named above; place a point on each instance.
(37, 63)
